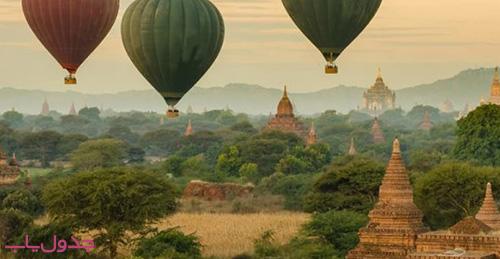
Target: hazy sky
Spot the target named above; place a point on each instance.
(413, 41)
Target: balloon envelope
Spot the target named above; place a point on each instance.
(331, 25)
(70, 29)
(172, 42)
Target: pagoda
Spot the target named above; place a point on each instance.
(377, 134)
(285, 120)
(72, 110)
(426, 123)
(447, 106)
(9, 170)
(395, 220)
(472, 238)
(489, 212)
(45, 108)
(352, 149)
(495, 89)
(189, 129)
(311, 136)
(379, 98)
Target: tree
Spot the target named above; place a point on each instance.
(69, 143)
(292, 165)
(123, 133)
(91, 114)
(453, 191)
(136, 155)
(352, 184)
(245, 127)
(13, 118)
(173, 165)
(266, 153)
(23, 200)
(337, 228)
(41, 145)
(99, 153)
(13, 223)
(249, 172)
(478, 136)
(111, 202)
(229, 162)
(161, 142)
(170, 243)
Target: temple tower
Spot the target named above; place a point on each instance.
(377, 134)
(488, 213)
(426, 122)
(379, 98)
(285, 120)
(395, 220)
(45, 108)
(72, 109)
(495, 89)
(352, 149)
(189, 129)
(311, 136)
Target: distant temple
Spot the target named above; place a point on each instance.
(189, 129)
(379, 98)
(72, 109)
(377, 134)
(426, 122)
(352, 149)
(285, 120)
(495, 89)
(9, 170)
(396, 231)
(311, 136)
(447, 106)
(45, 108)
(395, 221)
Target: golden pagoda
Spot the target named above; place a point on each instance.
(377, 134)
(426, 122)
(489, 212)
(395, 220)
(495, 89)
(379, 98)
(189, 129)
(285, 120)
(311, 136)
(352, 149)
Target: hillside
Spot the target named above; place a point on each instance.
(466, 87)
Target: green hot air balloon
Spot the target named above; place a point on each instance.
(331, 25)
(172, 43)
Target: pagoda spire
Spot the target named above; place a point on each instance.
(285, 92)
(488, 213)
(352, 149)
(311, 136)
(379, 73)
(395, 219)
(72, 109)
(189, 129)
(426, 122)
(495, 89)
(45, 108)
(377, 134)
(13, 160)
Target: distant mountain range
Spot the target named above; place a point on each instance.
(467, 87)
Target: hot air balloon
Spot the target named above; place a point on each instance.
(71, 29)
(331, 25)
(172, 43)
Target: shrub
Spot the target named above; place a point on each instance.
(170, 242)
(24, 201)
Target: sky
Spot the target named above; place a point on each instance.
(412, 41)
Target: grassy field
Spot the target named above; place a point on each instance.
(227, 235)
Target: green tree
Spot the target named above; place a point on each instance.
(229, 162)
(13, 118)
(91, 114)
(123, 133)
(161, 142)
(173, 165)
(111, 202)
(347, 185)
(292, 165)
(453, 191)
(170, 243)
(23, 200)
(337, 228)
(249, 172)
(41, 145)
(478, 136)
(13, 223)
(99, 153)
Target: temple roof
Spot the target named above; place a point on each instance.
(285, 107)
(189, 129)
(379, 87)
(352, 148)
(470, 226)
(311, 135)
(488, 213)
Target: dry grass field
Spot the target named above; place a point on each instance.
(226, 235)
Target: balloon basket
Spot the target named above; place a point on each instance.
(331, 69)
(70, 80)
(172, 113)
